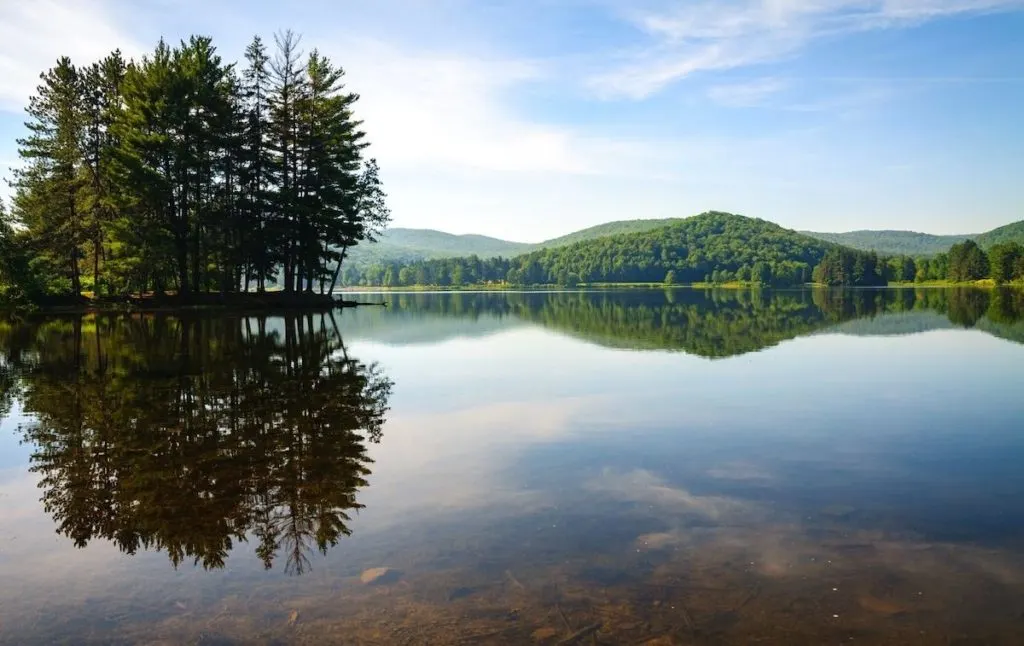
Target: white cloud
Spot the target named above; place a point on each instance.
(645, 487)
(430, 111)
(35, 33)
(745, 95)
(711, 35)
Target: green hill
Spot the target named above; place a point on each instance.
(714, 246)
(912, 243)
(1008, 233)
(607, 229)
(408, 245)
(714, 243)
(892, 243)
(403, 245)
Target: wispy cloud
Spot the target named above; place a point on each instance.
(430, 111)
(686, 38)
(749, 94)
(34, 34)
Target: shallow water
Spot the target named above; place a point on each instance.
(638, 467)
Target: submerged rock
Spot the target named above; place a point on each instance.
(379, 576)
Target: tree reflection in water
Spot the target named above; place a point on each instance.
(192, 434)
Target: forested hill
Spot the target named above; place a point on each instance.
(892, 243)
(405, 246)
(608, 229)
(912, 243)
(402, 245)
(700, 248)
(714, 247)
(1010, 233)
(408, 245)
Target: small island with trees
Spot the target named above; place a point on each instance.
(182, 179)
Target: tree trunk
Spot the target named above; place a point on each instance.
(182, 268)
(97, 246)
(337, 270)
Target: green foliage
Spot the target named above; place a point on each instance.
(912, 243)
(891, 243)
(691, 248)
(761, 273)
(619, 227)
(407, 246)
(174, 171)
(967, 262)
(1009, 233)
(1006, 262)
(848, 267)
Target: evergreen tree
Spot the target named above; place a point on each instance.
(48, 187)
(256, 169)
(288, 89)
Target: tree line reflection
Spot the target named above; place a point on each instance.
(719, 323)
(190, 435)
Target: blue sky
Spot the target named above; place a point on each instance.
(526, 119)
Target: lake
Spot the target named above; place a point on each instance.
(615, 467)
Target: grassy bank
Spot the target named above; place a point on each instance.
(987, 283)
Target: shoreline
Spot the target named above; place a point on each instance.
(237, 302)
(982, 284)
(281, 301)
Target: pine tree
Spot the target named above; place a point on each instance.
(256, 166)
(287, 91)
(48, 187)
(101, 104)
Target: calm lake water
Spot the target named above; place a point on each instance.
(675, 467)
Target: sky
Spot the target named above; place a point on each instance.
(528, 119)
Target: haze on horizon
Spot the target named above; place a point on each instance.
(530, 119)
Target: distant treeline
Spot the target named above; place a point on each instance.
(181, 172)
(964, 262)
(710, 248)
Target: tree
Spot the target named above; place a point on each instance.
(48, 188)
(367, 217)
(761, 273)
(908, 269)
(100, 107)
(670, 277)
(256, 165)
(967, 262)
(1003, 259)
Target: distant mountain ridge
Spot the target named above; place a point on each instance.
(401, 245)
(893, 243)
(404, 244)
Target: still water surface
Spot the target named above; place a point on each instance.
(640, 467)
